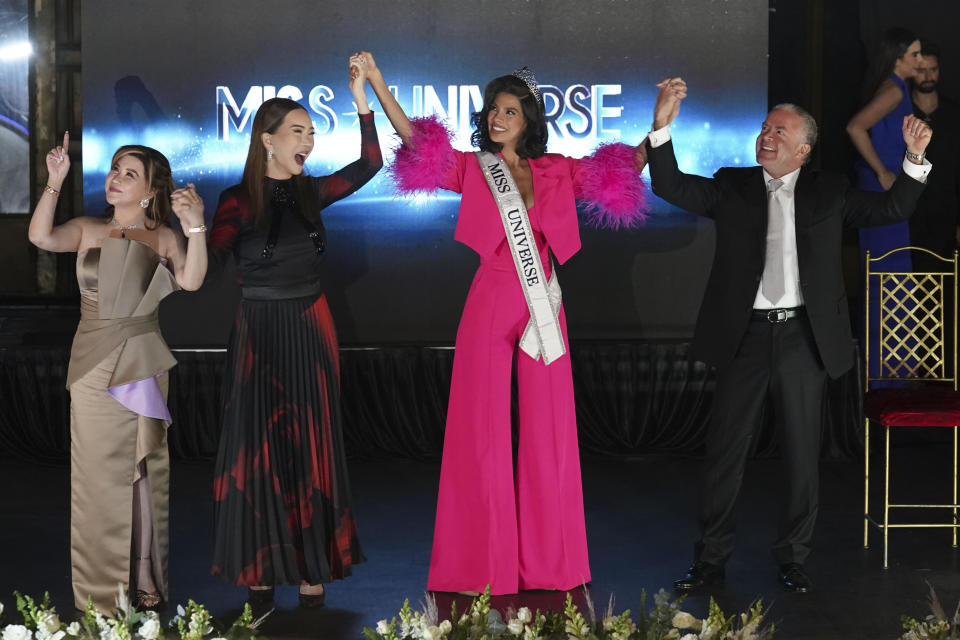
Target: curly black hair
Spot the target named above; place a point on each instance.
(533, 141)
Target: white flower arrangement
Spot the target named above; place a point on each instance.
(936, 626)
(665, 621)
(41, 622)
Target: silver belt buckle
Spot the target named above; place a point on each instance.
(777, 316)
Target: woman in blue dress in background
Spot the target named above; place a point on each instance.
(876, 130)
(877, 133)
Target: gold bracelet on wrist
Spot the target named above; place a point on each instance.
(201, 229)
(52, 191)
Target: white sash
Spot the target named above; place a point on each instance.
(542, 335)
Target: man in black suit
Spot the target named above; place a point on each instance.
(774, 319)
(935, 224)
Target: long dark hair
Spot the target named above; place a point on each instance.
(893, 45)
(533, 140)
(268, 119)
(159, 179)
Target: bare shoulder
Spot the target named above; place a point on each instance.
(90, 222)
(166, 232)
(168, 240)
(888, 91)
(166, 236)
(93, 230)
(884, 101)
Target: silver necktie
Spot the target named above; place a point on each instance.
(772, 285)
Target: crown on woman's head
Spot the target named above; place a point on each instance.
(524, 73)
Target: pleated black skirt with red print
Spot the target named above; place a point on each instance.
(282, 495)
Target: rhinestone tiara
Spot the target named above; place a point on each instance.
(524, 73)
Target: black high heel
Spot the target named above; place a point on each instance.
(260, 597)
(313, 600)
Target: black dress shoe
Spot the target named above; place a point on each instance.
(794, 578)
(260, 597)
(700, 574)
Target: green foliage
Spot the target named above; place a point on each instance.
(660, 622)
(575, 625)
(29, 609)
(193, 622)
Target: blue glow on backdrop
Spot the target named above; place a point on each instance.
(217, 147)
(196, 73)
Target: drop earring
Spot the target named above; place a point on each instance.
(269, 155)
(145, 203)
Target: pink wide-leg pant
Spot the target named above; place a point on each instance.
(513, 532)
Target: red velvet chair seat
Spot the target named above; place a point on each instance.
(915, 407)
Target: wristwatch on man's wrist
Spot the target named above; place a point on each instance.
(916, 157)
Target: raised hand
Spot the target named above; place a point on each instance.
(358, 69)
(358, 76)
(672, 91)
(369, 63)
(58, 162)
(388, 102)
(917, 134)
(187, 205)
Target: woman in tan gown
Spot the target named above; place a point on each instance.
(127, 262)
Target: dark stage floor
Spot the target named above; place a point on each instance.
(640, 522)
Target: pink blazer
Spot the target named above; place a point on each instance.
(555, 189)
(606, 181)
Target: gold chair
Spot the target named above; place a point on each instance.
(916, 330)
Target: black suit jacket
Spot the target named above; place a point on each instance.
(736, 199)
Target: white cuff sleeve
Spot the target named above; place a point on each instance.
(659, 137)
(917, 171)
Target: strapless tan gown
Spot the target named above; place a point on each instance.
(118, 342)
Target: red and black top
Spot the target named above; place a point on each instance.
(288, 249)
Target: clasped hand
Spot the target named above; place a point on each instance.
(187, 205)
(672, 91)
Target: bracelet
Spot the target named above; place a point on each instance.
(916, 157)
(201, 229)
(52, 191)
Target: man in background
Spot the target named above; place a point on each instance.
(934, 224)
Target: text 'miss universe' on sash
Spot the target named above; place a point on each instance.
(542, 335)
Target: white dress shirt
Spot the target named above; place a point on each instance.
(792, 296)
(788, 246)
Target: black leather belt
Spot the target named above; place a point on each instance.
(777, 316)
(303, 290)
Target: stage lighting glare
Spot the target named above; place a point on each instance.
(16, 51)
(92, 151)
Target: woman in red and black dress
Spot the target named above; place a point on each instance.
(282, 499)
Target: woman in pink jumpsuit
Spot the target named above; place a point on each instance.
(523, 530)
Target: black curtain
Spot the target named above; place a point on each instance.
(632, 398)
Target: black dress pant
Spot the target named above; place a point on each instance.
(776, 367)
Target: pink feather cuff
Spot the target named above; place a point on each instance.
(614, 192)
(420, 166)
